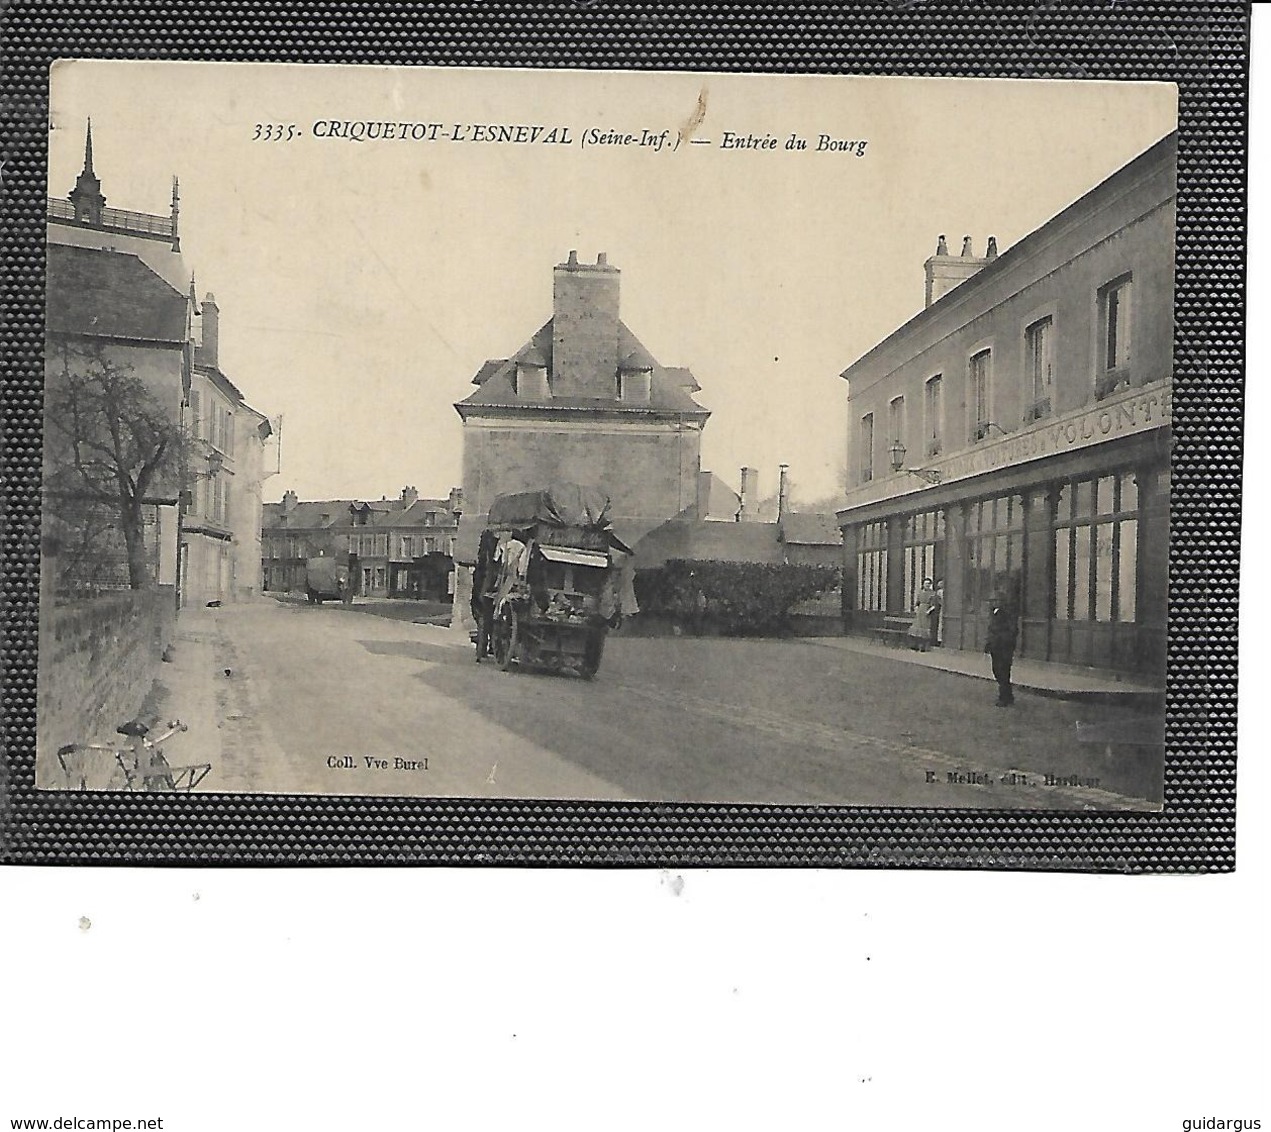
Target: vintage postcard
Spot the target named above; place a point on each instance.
(671, 437)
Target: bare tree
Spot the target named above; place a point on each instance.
(110, 442)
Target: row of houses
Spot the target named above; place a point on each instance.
(401, 547)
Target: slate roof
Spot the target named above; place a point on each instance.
(722, 502)
(307, 515)
(695, 540)
(671, 388)
(810, 528)
(216, 375)
(108, 294)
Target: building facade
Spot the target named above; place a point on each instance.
(399, 548)
(118, 283)
(220, 545)
(583, 401)
(1014, 435)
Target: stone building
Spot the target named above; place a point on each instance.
(220, 559)
(584, 401)
(118, 281)
(1015, 434)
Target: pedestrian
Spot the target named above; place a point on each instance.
(937, 626)
(1000, 644)
(920, 628)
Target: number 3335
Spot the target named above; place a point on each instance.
(275, 131)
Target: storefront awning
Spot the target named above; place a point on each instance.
(575, 557)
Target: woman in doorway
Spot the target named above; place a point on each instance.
(924, 616)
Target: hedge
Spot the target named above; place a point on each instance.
(739, 597)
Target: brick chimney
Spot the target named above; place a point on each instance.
(945, 271)
(585, 329)
(783, 492)
(409, 495)
(455, 503)
(749, 496)
(289, 501)
(211, 330)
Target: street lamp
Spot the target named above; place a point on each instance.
(897, 453)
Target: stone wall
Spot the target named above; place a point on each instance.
(98, 661)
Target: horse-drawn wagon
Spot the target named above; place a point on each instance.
(545, 589)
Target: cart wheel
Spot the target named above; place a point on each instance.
(591, 658)
(505, 640)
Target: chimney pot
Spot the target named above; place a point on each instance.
(966, 245)
(991, 253)
(573, 258)
(602, 260)
(942, 248)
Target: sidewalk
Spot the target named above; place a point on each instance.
(1044, 678)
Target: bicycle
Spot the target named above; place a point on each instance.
(138, 766)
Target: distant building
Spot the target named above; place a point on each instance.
(402, 548)
(1015, 434)
(584, 401)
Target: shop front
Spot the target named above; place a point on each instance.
(1078, 540)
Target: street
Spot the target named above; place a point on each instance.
(290, 698)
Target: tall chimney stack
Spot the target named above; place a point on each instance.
(783, 492)
(944, 271)
(585, 329)
(749, 495)
(211, 330)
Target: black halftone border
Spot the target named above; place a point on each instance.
(1201, 46)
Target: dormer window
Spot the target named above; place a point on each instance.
(530, 377)
(635, 385)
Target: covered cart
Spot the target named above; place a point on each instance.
(544, 590)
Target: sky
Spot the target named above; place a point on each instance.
(362, 283)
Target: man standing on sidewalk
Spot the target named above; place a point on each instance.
(1000, 645)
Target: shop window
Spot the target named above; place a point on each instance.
(1113, 370)
(923, 540)
(994, 553)
(979, 392)
(871, 566)
(1039, 363)
(933, 423)
(1096, 549)
(866, 454)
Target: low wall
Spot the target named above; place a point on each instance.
(97, 663)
